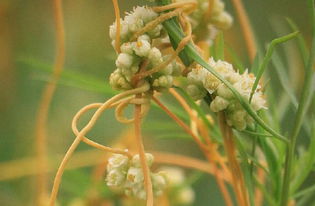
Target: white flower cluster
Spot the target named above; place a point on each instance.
(218, 17)
(126, 174)
(133, 54)
(182, 195)
(201, 81)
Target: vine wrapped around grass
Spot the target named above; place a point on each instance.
(167, 46)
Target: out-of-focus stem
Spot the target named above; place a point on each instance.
(246, 29)
(42, 115)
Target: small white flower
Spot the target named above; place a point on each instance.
(136, 162)
(223, 21)
(224, 91)
(196, 92)
(158, 182)
(185, 196)
(126, 48)
(124, 60)
(219, 104)
(258, 101)
(238, 119)
(175, 175)
(115, 177)
(142, 48)
(218, 7)
(197, 75)
(210, 82)
(117, 161)
(165, 81)
(134, 23)
(156, 31)
(135, 175)
(118, 81)
(155, 56)
(144, 13)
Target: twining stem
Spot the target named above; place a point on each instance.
(82, 134)
(210, 155)
(44, 105)
(180, 123)
(117, 15)
(144, 164)
(203, 147)
(246, 29)
(237, 176)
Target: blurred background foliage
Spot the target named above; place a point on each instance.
(27, 49)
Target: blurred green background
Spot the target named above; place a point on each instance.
(27, 48)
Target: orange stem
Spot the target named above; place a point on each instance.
(237, 176)
(44, 105)
(117, 15)
(246, 29)
(145, 167)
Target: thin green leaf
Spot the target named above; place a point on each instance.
(71, 78)
(267, 58)
(302, 108)
(305, 164)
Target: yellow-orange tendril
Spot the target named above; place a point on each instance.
(117, 15)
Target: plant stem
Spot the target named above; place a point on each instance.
(246, 29)
(302, 108)
(44, 105)
(144, 164)
(237, 176)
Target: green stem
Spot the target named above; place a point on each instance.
(267, 58)
(302, 108)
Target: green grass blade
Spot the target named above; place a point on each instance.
(71, 78)
(303, 106)
(267, 58)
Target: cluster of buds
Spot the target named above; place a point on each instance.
(181, 194)
(201, 82)
(142, 50)
(127, 175)
(214, 16)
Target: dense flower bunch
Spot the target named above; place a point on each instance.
(143, 49)
(214, 18)
(126, 174)
(201, 82)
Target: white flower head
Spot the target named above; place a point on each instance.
(124, 60)
(185, 196)
(118, 81)
(219, 104)
(118, 161)
(141, 47)
(115, 177)
(159, 183)
(196, 92)
(175, 176)
(135, 175)
(136, 162)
